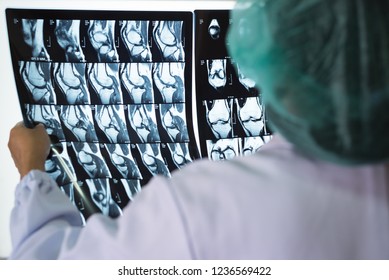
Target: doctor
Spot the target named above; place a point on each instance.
(318, 190)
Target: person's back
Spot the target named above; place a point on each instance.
(278, 204)
(325, 82)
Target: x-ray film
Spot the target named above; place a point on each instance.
(114, 89)
(118, 97)
(230, 110)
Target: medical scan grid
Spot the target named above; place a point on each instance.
(114, 90)
(230, 107)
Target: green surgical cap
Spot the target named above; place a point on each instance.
(323, 69)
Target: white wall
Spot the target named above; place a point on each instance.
(9, 105)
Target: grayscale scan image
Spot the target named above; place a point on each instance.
(168, 37)
(114, 91)
(134, 34)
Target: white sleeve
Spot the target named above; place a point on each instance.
(46, 225)
(40, 215)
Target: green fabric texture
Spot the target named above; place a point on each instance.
(323, 69)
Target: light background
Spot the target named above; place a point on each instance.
(10, 112)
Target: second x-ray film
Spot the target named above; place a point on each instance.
(230, 106)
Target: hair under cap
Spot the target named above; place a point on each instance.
(323, 69)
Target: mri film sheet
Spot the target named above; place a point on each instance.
(114, 91)
(230, 111)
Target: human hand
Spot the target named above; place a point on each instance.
(29, 147)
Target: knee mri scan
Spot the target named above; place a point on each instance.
(128, 96)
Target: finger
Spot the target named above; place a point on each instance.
(40, 126)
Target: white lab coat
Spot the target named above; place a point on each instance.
(276, 204)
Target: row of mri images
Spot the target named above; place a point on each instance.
(229, 105)
(115, 93)
(106, 37)
(64, 83)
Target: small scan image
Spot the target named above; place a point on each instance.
(101, 35)
(48, 116)
(33, 36)
(131, 187)
(67, 33)
(138, 82)
(250, 115)
(180, 154)
(54, 166)
(124, 191)
(100, 192)
(143, 121)
(249, 84)
(222, 78)
(217, 73)
(223, 149)
(169, 80)
(135, 35)
(123, 161)
(37, 81)
(252, 144)
(90, 161)
(211, 32)
(78, 123)
(168, 36)
(153, 160)
(174, 122)
(71, 83)
(104, 82)
(110, 120)
(219, 117)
